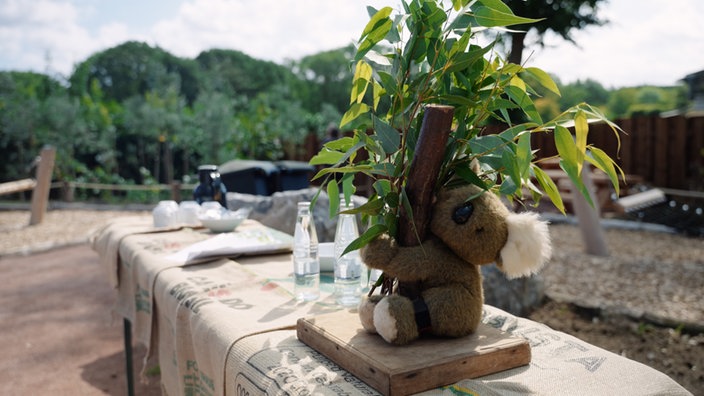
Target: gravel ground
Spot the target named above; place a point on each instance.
(58, 228)
(643, 301)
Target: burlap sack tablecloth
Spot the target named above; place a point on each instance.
(228, 327)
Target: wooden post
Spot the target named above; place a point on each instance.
(592, 233)
(422, 176)
(68, 191)
(661, 140)
(176, 191)
(628, 153)
(424, 171)
(677, 157)
(40, 194)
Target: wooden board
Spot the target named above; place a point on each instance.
(424, 364)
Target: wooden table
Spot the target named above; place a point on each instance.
(227, 327)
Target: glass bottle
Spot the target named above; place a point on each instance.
(306, 267)
(349, 269)
(210, 187)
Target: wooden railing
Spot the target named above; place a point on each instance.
(40, 186)
(175, 189)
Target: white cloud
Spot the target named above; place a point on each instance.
(647, 41)
(266, 29)
(42, 26)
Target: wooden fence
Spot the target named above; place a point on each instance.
(665, 152)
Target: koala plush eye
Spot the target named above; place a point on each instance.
(463, 213)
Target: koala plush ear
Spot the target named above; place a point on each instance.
(527, 247)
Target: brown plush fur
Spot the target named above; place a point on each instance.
(446, 265)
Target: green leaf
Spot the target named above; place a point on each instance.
(550, 188)
(497, 5)
(377, 91)
(356, 110)
(384, 169)
(490, 149)
(348, 187)
(463, 60)
(388, 83)
(508, 186)
(543, 79)
(521, 98)
(369, 235)
(342, 144)
(378, 17)
(406, 205)
(513, 132)
(388, 137)
(334, 197)
(372, 207)
(456, 4)
(326, 157)
(489, 17)
(581, 127)
(458, 100)
(468, 175)
(392, 200)
(574, 175)
(524, 155)
(375, 31)
(486, 144)
(565, 146)
(360, 81)
(511, 169)
(382, 187)
(345, 169)
(602, 161)
(569, 162)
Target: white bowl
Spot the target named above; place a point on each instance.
(224, 221)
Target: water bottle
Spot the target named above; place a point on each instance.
(349, 269)
(306, 267)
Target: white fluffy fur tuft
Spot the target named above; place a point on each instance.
(385, 323)
(528, 246)
(366, 314)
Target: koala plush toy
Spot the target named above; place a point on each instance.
(448, 297)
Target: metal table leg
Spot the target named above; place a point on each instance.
(129, 373)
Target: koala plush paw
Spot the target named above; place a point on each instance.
(366, 312)
(394, 320)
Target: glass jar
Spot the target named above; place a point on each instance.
(165, 214)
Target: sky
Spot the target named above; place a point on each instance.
(646, 42)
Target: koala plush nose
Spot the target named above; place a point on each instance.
(527, 247)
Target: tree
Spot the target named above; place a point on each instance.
(235, 73)
(135, 68)
(329, 74)
(558, 16)
(21, 98)
(213, 128)
(589, 91)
